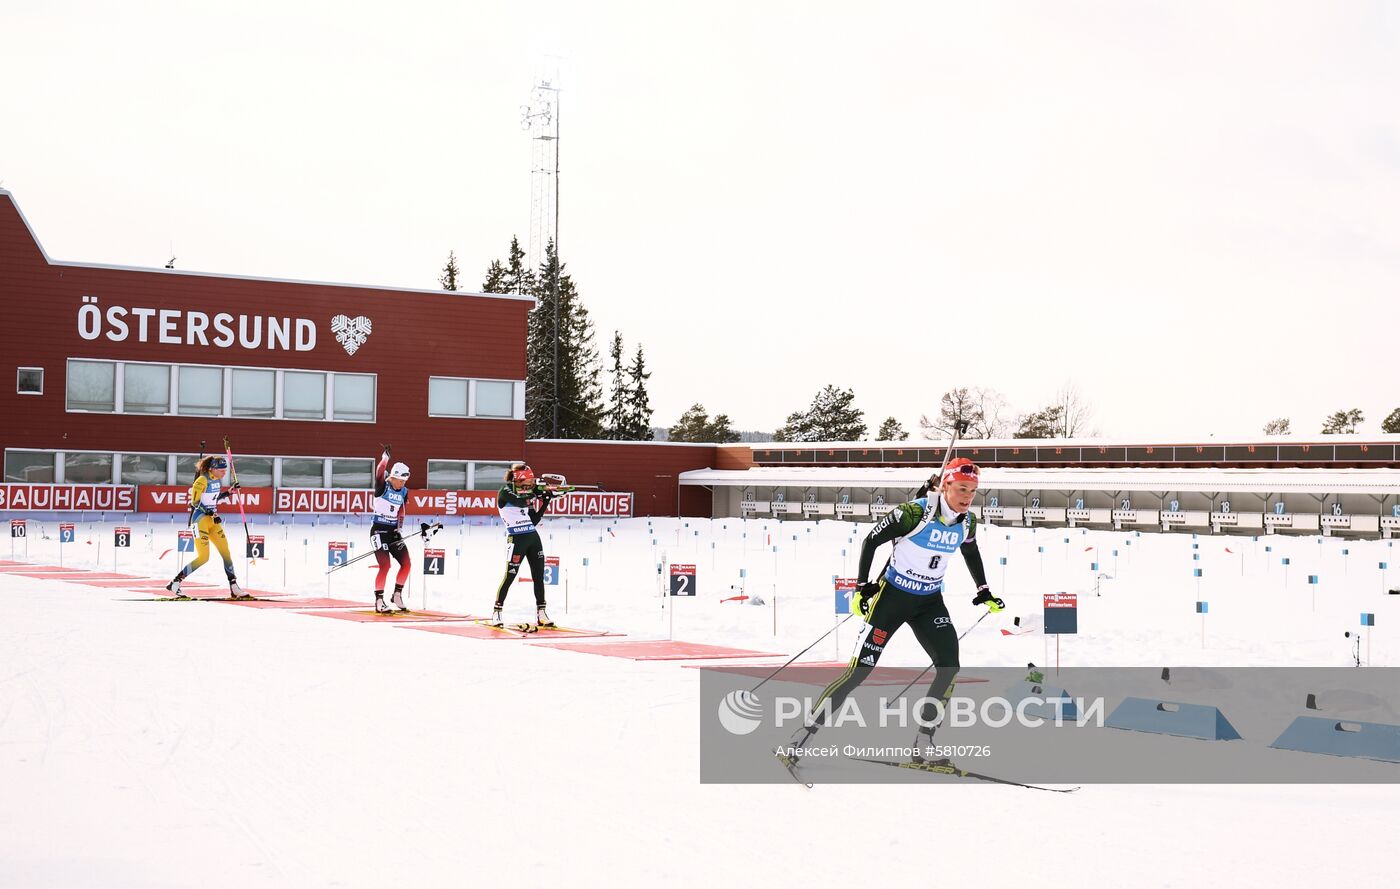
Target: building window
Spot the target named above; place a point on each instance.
(489, 476)
(254, 472)
(146, 389)
(447, 397)
(201, 391)
(357, 474)
(92, 386)
(87, 469)
(447, 475)
(299, 473)
(254, 393)
(31, 467)
(354, 397)
(303, 395)
(452, 397)
(30, 381)
(495, 398)
(145, 469)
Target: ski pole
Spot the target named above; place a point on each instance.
(190, 518)
(802, 652)
(228, 452)
(427, 531)
(926, 669)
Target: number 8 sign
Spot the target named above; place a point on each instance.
(683, 580)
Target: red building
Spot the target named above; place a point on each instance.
(120, 373)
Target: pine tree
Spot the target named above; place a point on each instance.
(638, 401)
(450, 272)
(1042, 424)
(890, 430)
(695, 425)
(1391, 423)
(580, 411)
(619, 412)
(1343, 422)
(495, 278)
(517, 277)
(831, 417)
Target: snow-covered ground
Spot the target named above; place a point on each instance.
(187, 744)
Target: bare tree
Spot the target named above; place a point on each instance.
(991, 410)
(1277, 426)
(1076, 412)
(958, 407)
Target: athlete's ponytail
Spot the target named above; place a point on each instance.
(202, 467)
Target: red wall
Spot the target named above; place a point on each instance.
(648, 470)
(415, 334)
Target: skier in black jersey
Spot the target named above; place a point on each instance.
(521, 503)
(926, 533)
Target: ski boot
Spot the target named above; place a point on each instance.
(380, 606)
(790, 754)
(236, 592)
(923, 742)
(495, 620)
(542, 620)
(397, 601)
(174, 588)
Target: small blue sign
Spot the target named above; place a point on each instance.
(1202, 607)
(66, 534)
(1196, 573)
(1312, 578)
(1003, 561)
(186, 542)
(1368, 619)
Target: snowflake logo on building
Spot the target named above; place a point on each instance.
(351, 333)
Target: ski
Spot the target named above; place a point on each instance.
(194, 599)
(503, 628)
(946, 767)
(791, 765)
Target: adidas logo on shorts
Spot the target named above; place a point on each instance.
(868, 660)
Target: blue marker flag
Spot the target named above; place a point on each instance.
(1367, 619)
(1202, 607)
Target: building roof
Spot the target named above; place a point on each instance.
(1383, 482)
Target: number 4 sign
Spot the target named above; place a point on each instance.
(683, 580)
(434, 561)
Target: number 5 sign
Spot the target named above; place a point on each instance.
(683, 580)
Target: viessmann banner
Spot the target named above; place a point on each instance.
(176, 498)
(294, 501)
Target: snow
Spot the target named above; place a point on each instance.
(178, 744)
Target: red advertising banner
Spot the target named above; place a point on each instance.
(67, 498)
(592, 503)
(1061, 600)
(319, 500)
(433, 502)
(176, 498)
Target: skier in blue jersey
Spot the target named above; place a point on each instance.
(390, 498)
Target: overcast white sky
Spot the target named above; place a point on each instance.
(1189, 210)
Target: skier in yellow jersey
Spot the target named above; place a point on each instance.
(206, 492)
